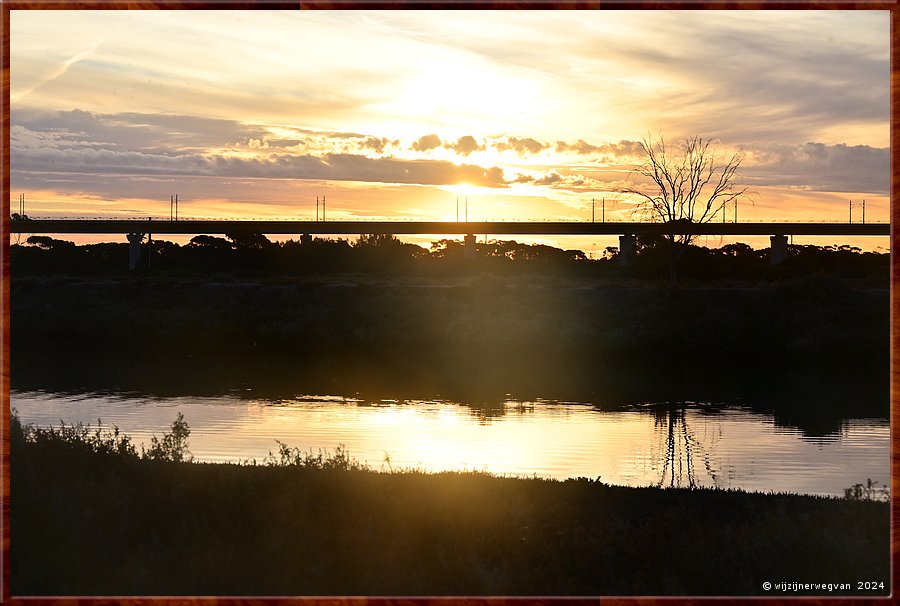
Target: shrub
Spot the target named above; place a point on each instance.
(870, 491)
(173, 446)
(294, 457)
(76, 437)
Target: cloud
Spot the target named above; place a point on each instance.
(820, 167)
(617, 150)
(161, 133)
(377, 144)
(523, 146)
(338, 166)
(171, 134)
(465, 145)
(549, 179)
(427, 142)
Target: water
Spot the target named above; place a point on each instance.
(694, 444)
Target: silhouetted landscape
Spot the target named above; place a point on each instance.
(381, 317)
(361, 259)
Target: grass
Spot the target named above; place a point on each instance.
(89, 516)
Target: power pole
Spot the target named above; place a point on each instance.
(735, 210)
(864, 211)
(603, 209)
(323, 207)
(851, 211)
(176, 207)
(317, 209)
(592, 210)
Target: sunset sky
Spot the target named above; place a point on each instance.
(396, 114)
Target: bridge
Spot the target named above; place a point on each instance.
(521, 228)
(135, 229)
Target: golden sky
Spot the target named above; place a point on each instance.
(396, 114)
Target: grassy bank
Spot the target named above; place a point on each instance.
(90, 517)
(442, 333)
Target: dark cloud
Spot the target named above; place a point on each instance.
(523, 146)
(427, 142)
(338, 167)
(549, 179)
(159, 133)
(821, 167)
(617, 150)
(465, 145)
(164, 134)
(581, 147)
(376, 143)
(79, 142)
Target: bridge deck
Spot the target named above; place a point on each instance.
(197, 226)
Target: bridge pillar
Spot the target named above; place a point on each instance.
(134, 250)
(627, 249)
(779, 249)
(469, 247)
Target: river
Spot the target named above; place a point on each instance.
(698, 444)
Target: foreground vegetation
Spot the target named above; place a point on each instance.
(90, 516)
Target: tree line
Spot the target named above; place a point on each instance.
(385, 253)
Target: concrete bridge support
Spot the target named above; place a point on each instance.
(627, 249)
(469, 247)
(779, 249)
(134, 250)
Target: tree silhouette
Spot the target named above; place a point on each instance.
(684, 184)
(687, 183)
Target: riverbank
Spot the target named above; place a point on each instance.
(110, 523)
(477, 334)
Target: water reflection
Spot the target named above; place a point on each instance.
(667, 444)
(680, 448)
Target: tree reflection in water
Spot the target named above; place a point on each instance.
(681, 447)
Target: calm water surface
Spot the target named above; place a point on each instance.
(694, 444)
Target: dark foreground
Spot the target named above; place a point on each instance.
(85, 523)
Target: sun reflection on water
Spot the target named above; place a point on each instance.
(682, 444)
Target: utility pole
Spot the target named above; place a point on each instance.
(317, 209)
(735, 210)
(864, 211)
(851, 211)
(592, 210)
(323, 207)
(171, 207)
(176, 207)
(603, 210)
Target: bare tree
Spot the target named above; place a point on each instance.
(687, 183)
